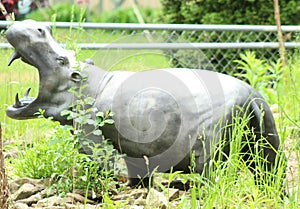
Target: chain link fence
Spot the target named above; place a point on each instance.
(213, 47)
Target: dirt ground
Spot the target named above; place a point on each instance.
(292, 165)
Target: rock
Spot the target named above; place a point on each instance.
(25, 191)
(91, 195)
(13, 187)
(25, 180)
(136, 207)
(140, 201)
(50, 202)
(17, 184)
(20, 205)
(133, 194)
(79, 198)
(48, 192)
(11, 154)
(70, 206)
(32, 199)
(86, 206)
(172, 194)
(156, 199)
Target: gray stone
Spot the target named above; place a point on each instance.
(17, 184)
(88, 206)
(25, 191)
(50, 202)
(136, 207)
(133, 194)
(20, 205)
(156, 199)
(32, 199)
(172, 193)
(79, 198)
(90, 195)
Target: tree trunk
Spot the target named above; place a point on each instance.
(4, 189)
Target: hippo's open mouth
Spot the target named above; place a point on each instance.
(21, 104)
(26, 100)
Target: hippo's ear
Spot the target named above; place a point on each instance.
(76, 76)
(49, 28)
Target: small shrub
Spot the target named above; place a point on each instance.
(259, 74)
(48, 157)
(58, 156)
(64, 12)
(127, 15)
(257, 12)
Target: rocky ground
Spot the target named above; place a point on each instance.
(32, 193)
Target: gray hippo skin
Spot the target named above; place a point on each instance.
(161, 116)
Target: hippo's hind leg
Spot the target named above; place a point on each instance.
(139, 174)
(262, 153)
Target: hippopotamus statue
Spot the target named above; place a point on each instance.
(161, 117)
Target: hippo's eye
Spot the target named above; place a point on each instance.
(62, 60)
(42, 32)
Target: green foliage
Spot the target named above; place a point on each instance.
(63, 12)
(247, 12)
(96, 171)
(58, 156)
(127, 15)
(259, 74)
(257, 12)
(66, 12)
(48, 157)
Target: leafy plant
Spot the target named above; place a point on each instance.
(64, 12)
(95, 171)
(222, 12)
(259, 74)
(47, 157)
(127, 15)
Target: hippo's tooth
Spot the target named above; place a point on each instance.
(13, 57)
(27, 92)
(17, 102)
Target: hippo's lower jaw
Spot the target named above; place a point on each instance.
(20, 108)
(17, 110)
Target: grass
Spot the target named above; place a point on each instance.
(229, 186)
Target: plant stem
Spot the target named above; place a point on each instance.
(279, 33)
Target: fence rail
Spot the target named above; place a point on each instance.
(214, 46)
(174, 46)
(178, 27)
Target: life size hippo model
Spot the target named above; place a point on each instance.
(161, 116)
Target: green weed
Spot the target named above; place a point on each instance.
(260, 74)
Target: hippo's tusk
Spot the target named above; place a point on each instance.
(27, 92)
(17, 102)
(13, 57)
